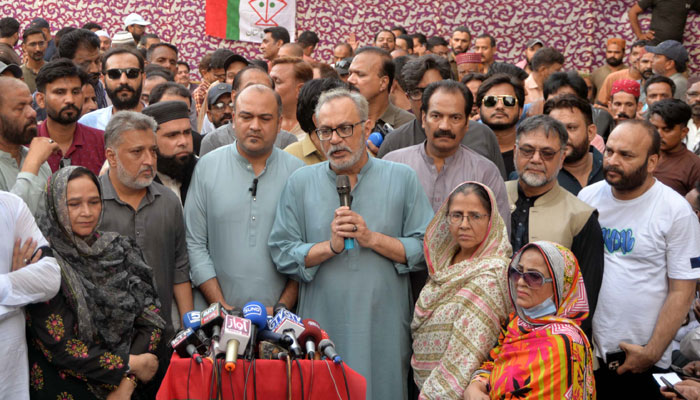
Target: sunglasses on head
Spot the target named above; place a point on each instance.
(116, 73)
(491, 101)
(533, 279)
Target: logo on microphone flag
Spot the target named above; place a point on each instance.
(245, 20)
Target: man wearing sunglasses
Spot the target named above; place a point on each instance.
(123, 75)
(220, 104)
(500, 99)
(417, 75)
(652, 257)
(543, 210)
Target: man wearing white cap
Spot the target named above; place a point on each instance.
(105, 40)
(136, 25)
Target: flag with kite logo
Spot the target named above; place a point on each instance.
(247, 19)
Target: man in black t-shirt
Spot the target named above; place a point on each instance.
(667, 19)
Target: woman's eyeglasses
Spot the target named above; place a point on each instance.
(456, 218)
(533, 279)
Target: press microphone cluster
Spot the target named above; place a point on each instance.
(218, 333)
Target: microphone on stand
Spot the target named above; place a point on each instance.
(342, 184)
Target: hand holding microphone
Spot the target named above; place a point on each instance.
(349, 225)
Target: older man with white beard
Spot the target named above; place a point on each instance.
(536, 199)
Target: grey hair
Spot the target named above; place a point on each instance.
(545, 123)
(127, 121)
(361, 104)
(260, 88)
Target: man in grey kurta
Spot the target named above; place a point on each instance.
(231, 205)
(361, 297)
(23, 171)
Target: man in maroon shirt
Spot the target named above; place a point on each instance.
(59, 91)
(678, 167)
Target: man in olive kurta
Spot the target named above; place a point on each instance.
(361, 297)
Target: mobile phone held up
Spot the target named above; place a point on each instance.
(672, 388)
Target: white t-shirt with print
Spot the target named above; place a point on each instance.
(646, 240)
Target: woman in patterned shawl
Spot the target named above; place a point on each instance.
(464, 303)
(96, 337)
(542, 353)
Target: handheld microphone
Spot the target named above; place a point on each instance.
(192, 319)
(236, 334)
(288, 324)
(186, 343)
(310, 336)
(376, 138)
(328, 349)
(342, 184)
(256, 313)
(211, 319)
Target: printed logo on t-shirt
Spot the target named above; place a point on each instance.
(615, 240)
(695, 262)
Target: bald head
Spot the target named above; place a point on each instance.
(8, 84)
(260, 91)
(291, 50)
(251, 76)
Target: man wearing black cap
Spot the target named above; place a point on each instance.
(342, 67)
(9, 36)
(670, 58)
(233, 64)
(220, 106)
(176, 158)
(10, 70)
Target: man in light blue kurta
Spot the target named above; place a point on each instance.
(229, 217)
(361, 297)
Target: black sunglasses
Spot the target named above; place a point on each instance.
(116, 73)
(533, 279)
(508, 101)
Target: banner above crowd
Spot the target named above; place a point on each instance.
(246, 20)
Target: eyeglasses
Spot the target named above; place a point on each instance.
(545, 154)
(116, 73)
(456, 218)
(416, 94)
(220, 105)
(343, 131)
(491, 101)
(533, 279)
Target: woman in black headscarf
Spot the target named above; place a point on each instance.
(97, 337)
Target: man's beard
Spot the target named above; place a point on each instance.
(577, 153)
(613, 62)
(178, 168)
(500, 126)
(695, 108)
(58, 116)
(536, 180)
(129, 102)
(342, 166)
(134, 182)
(647, 73)
(37, 56)
(15, 134)
(627, 182)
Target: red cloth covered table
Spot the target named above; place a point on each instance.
(270, 378)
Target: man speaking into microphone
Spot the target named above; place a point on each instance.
(361, 296)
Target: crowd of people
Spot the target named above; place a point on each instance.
(515, 230)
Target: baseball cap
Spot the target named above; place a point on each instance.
(533, 42)
(217, 90)
(343, 66)
(39, 22)
(672, 49)
(135, 19)
(14, 68)
(233, 58)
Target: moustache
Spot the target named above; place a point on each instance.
(440, 133)
(70, 107)
(148, 169)
(609, 168)
(226, 116)
(623, 115)
(124, 87)
(339, 147)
